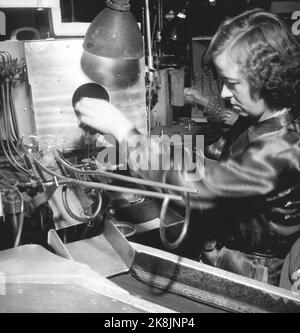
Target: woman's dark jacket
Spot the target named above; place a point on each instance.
(253, 186)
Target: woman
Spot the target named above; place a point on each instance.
(259, 61)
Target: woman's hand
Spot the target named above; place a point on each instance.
(103, 117)
(192, 95)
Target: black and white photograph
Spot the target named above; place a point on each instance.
(149, 159)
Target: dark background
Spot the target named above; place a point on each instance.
(204, 17)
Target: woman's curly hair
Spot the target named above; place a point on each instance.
(274, 76)
(267, 54)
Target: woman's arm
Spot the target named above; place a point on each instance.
(213, 110)
(251, 173)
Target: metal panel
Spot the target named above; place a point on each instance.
(210, 285)
(55, 72)
(36, 280)
(107, 254)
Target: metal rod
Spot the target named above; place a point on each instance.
(160, 26)
(149, 40)
(110, 187)
(127, 178)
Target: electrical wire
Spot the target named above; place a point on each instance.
(11, 159)
(15, 120)
(21, 215)
(12, 110)
(7, 60)
(4, 176)
(8, 117)
(9, 112)
(13, 115)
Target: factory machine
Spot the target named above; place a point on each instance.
(77, 235)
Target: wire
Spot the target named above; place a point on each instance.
(8, 116)
(4, 176)
(13, 111)
(15, 120)
(21, 216)
(9, 112)
(11, 159)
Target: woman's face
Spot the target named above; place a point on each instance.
(236, 88)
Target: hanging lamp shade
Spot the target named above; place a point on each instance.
(114, 33)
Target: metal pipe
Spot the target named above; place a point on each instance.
(127, 178)
(162, 227)
(148, 32)
(160, 25)
(110, 187)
